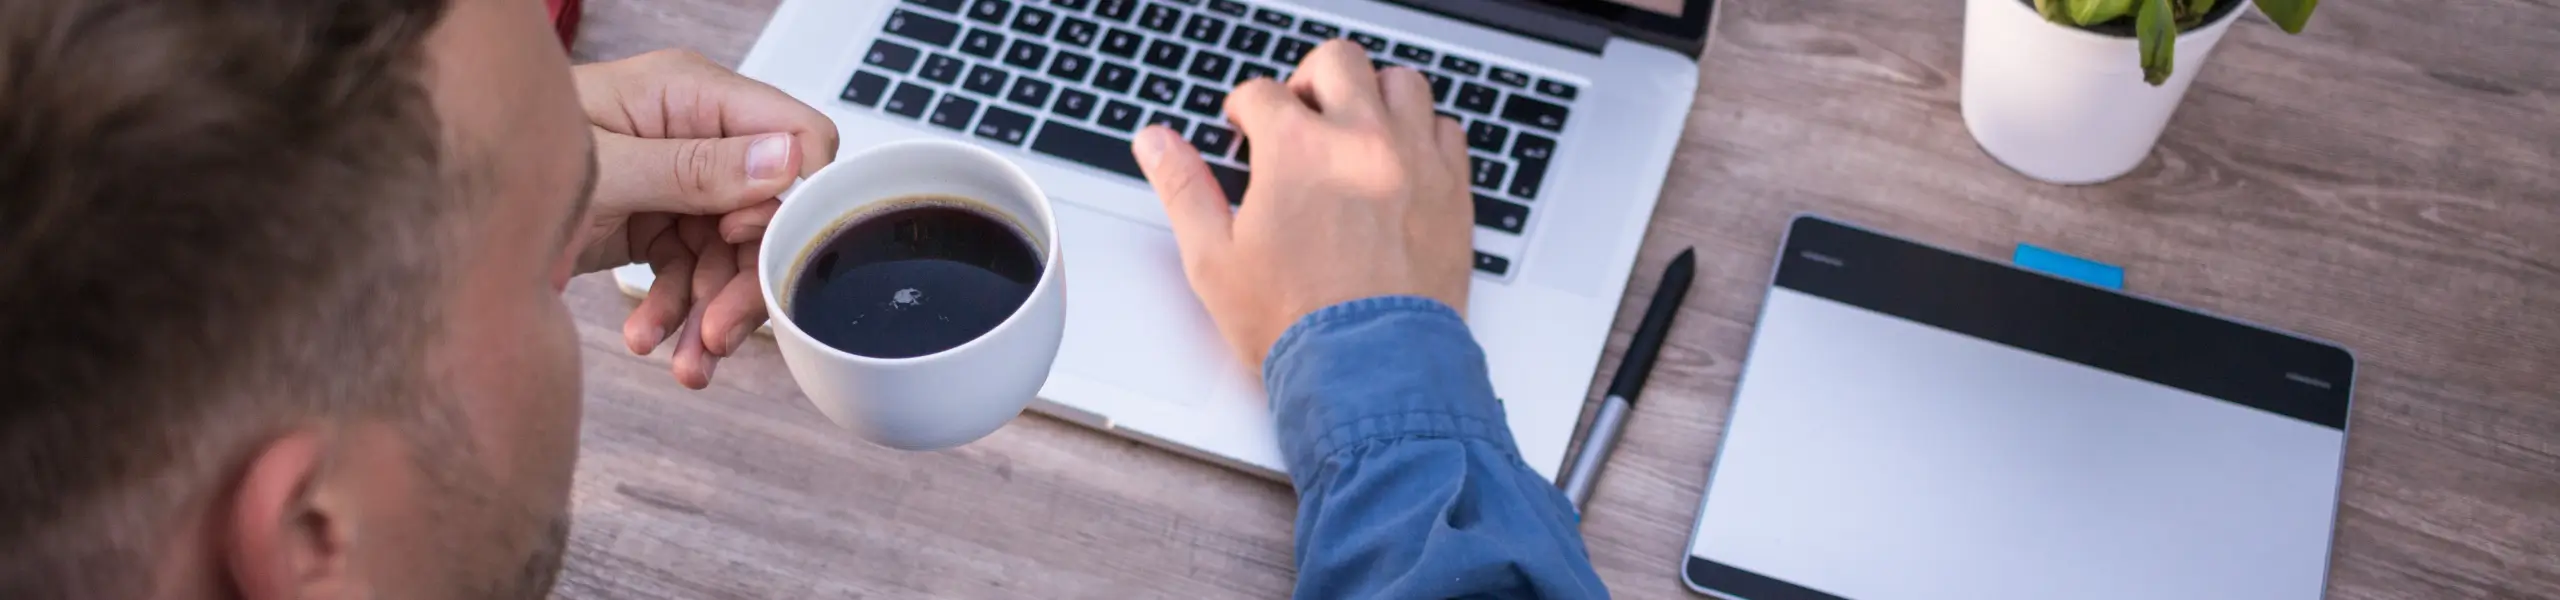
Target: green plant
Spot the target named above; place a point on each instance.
(2156, 22)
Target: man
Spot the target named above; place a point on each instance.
(280, 286)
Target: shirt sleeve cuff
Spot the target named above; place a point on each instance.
(1375, 369)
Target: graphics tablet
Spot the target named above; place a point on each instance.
(1916, 424)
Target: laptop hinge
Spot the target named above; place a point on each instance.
(1542, 25)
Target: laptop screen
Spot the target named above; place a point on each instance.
(1882, 456)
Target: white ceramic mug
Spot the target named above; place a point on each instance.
(938, 400)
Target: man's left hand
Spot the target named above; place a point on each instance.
(690, 157)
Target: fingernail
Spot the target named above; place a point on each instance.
(1151, 144)
(769, 157)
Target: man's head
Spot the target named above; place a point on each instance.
(278, 282)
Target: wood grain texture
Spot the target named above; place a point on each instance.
(2389, 180)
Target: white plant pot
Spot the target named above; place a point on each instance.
(2067, 105)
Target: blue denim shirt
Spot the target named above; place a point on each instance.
(1409, 485)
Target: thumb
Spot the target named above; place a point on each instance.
(1193, 202)
(692, 176)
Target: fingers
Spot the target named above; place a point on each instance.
(1407, 97)
(681, 94)
(692, 176)
(1262, 105)
(1193, 202)
(715, 263)
(1452, 145)
(662, 311)
(738, 310)
(1342, 82)
(747, 224)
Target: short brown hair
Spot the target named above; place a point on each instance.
(217, 217)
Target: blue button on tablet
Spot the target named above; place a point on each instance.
(2071, 267)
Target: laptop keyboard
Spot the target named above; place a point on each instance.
(1075, 79)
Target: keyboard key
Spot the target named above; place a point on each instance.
(1034, 21)
(1205, 101)
(1071, 4)
(1161, 90)
(892, 56)
(1291, 50)
(1534, 113)
(1231, 7)
(1116, 10)
(1321, 30)
(1211, 66)
(1275, 19)
(1204, 29)
(1070, 66)
(1078, 33)
(1244, 151)
(1493, 264)
(1116, 77)
(1212, 140)
(865, 89)
(984, 80)
(909, 101)
(1121, 43)
(1418, 55)
(1166, 54)
(954, 112)
(1510, 78)
(1232, 181)
(1249, 41)
(1450, 116)
(1379, 64)
(990, 11)
(1026, 54)
(1486, 136)
(1483, 173)
(1074, 103)
(1086, 147)
(1461, 65)
(949, 6)
(982, 44)
(1440, 85)
(1029, 92)
(1185, 2)
(1160, 18)
(1375, 44)
(1120, 115)
(933, 31)
(1477, 98)
(1176, 122)
(1250, 70)
(1533, 148)
(1501, 215)
(1560, 90)
(1524, 183)
(1004, 125)
(942, 68)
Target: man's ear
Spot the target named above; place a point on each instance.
(284, 537)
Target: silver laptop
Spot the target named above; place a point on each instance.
(1572, 108)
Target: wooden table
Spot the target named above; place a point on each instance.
(2389, 180)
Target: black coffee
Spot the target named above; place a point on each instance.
(925, 276)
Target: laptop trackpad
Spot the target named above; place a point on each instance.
(1132, 322)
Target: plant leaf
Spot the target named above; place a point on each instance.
(2193, 12)
(2157, 32)
(2288, 14)
(2053, 11)
(2092, 12)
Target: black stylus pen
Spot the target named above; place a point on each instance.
(1621, 402)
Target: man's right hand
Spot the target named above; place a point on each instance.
(1359, 190)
